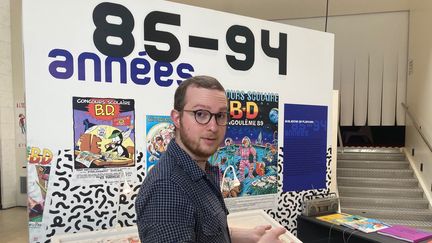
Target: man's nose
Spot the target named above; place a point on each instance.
(212, 125)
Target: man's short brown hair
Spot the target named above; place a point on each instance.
(201, 81)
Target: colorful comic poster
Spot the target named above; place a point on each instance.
(160, 131)
(38, 175)
(104, 134)
(248, 157)
(37, 187)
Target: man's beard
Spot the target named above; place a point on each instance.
(195, 146)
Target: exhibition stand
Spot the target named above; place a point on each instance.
(100, 78)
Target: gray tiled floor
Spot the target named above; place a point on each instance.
(14, 225)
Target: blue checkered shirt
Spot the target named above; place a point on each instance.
(179, 202)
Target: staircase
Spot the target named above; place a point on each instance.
(379, 183)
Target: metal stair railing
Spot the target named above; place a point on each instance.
(416, 125)
(340, 140)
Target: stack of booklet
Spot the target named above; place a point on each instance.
(360, 223)
(368, 225)
(406, 233)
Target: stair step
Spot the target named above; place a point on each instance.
(372, 156)
(380, 183)
(375, 173)
(366, 192)
(369, 150)
(373, 164)
(399, 214)
(384, 203)
(377, 182)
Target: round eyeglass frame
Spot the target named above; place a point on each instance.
(218, 122)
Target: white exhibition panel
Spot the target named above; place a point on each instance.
(51, 27)
(46, 32)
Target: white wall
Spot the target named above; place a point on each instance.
(7, 128)
(419, 90)
(293, 9)
(370, 65)
(18, 95)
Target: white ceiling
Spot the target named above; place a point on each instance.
(289, 9)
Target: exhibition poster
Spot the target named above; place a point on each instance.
(38, 175)
(247, 159)
(305, 144)
(159, 132)
(104, 137)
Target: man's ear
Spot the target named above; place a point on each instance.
(175, 117)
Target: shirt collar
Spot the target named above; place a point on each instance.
(186, 162)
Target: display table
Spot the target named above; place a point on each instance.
(312, 230)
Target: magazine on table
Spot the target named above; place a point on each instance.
(366, 225)
(363, 224)
(338, 218)
(406, 233)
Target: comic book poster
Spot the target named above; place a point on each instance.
(104, 134)
(37, 186)
(248, 156)
(160, 131)
(38, 174)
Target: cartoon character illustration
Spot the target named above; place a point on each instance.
(87, 124)
(37, 188)
(167, 134)
(101, 132)
(230, 150)
(160, 144)
(222, 166)
(260, 168)
(270, 156)
(156, 148)
(160, 131)
(247, 158)
(116, 144)
(22, 123)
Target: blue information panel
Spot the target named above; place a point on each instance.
(304, 151)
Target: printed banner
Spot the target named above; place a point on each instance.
(305, 144)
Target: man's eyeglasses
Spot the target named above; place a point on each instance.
(203, 117)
